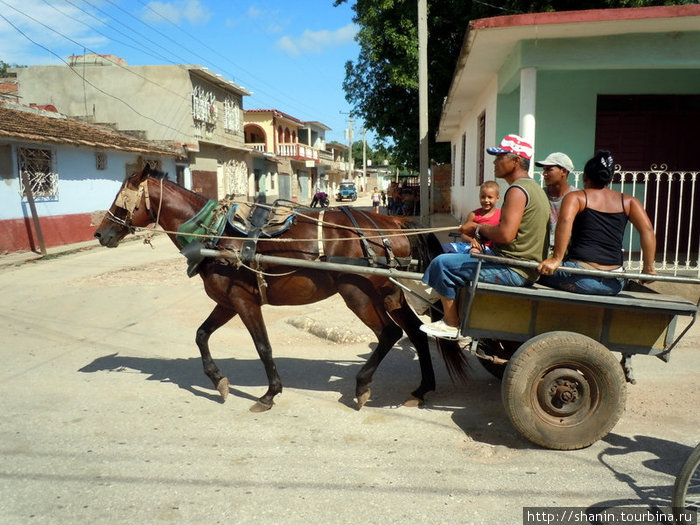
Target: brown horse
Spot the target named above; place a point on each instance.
(148, 197)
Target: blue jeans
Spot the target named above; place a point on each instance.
(578, 283)
(449, 272)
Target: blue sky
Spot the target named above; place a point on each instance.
(290, 54)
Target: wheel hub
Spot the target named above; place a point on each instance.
(563, 392)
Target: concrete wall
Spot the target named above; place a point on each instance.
(70, 216)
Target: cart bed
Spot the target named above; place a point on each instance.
(632, 322)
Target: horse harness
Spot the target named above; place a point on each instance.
(254, 221)
(128, 200)
(259, 216)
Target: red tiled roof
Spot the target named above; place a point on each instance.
(275, 112)
(26, 124)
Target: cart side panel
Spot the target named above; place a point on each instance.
(502, 315)
(639, 328)
(570, 317)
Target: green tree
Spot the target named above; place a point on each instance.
(3, 68)
(382, 83)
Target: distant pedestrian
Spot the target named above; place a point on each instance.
(376, 200)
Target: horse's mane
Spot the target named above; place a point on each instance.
(425, 247)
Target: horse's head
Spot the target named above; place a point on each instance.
(131, 209)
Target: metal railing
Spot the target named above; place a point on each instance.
(297, 151)
(672, 201)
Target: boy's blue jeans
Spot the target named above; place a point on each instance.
(449, 272)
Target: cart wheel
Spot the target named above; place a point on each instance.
(496, 348)
(686, 490)
(563, 390)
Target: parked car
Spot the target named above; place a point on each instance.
(346, 190)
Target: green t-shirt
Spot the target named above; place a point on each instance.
(531, 243)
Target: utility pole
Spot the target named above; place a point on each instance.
(351, 161)
(425, 204)
(364, 158)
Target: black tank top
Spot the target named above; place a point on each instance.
(596, 236)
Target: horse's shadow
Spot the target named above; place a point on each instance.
(398, 373)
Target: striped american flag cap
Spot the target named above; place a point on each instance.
(513, 144)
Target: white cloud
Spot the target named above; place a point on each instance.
(317, 41)
(191, 11)
(31, 17)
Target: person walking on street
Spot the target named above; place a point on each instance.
(376, 200)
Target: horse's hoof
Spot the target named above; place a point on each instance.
(413, 402)
(363, 398)
(222, 387)
(259, 406)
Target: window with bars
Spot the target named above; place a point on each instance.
(481, 142)
(463, 166)
(232, 115)
(101, 160)
(36, 167)
(204, 105)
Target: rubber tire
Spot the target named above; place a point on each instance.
(560, 360)
(498, 348)
(689, 471)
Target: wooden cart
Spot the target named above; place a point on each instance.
(562, 387)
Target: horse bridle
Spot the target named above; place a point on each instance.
(128, 200)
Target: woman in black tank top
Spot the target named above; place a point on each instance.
(590, 231)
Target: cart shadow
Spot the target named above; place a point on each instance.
(667, 458)
(475, 405)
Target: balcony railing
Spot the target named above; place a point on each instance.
(257, 146)
(672, 201)
(297, 151)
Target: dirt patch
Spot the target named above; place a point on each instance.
(168, 272)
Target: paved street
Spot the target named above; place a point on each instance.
(108, 418)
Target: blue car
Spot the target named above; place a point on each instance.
(346, 190)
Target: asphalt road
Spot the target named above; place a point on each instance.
(107, 416)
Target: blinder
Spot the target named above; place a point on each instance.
(128, 199)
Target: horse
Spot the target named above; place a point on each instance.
(147, 197)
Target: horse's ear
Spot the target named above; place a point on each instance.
(146, 170)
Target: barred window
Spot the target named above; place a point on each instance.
(204, 105)
(101, 160)
(232, 115)
(463, 166)
(481, 144)
(37, 164)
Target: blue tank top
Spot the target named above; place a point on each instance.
(596, 236)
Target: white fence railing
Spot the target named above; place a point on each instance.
(672, 201)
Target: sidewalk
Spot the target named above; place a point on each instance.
(18, 258)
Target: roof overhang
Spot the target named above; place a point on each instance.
(217, 80)
(489, 42)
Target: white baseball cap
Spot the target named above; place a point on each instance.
(557, 159)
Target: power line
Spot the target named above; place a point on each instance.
(139, 38)
(195, 39)
(83, 78)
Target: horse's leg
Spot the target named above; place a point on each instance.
(252, 317)
(406, 318)
(217, 318)
(371, 311)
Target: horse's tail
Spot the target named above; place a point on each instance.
(425, 247)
